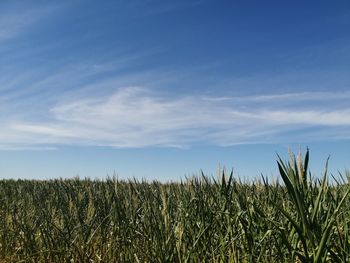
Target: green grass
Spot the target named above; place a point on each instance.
(303, 219)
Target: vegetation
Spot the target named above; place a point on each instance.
(304, 219)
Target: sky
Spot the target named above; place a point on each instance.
(162, 89)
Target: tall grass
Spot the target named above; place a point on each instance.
(199, 220)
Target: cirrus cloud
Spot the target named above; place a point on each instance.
(137, 117)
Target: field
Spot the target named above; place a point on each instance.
(300, 219)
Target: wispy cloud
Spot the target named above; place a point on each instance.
(137, 117)
(161, 7)
(14, 22)
(288, 97)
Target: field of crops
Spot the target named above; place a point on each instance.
(199, 220)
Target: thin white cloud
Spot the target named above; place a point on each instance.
(137, 117)
(287, 97)
(15, 22)
(11, 25)
(160, 7)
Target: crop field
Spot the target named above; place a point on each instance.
(202, 219)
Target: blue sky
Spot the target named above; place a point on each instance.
(160, 89)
